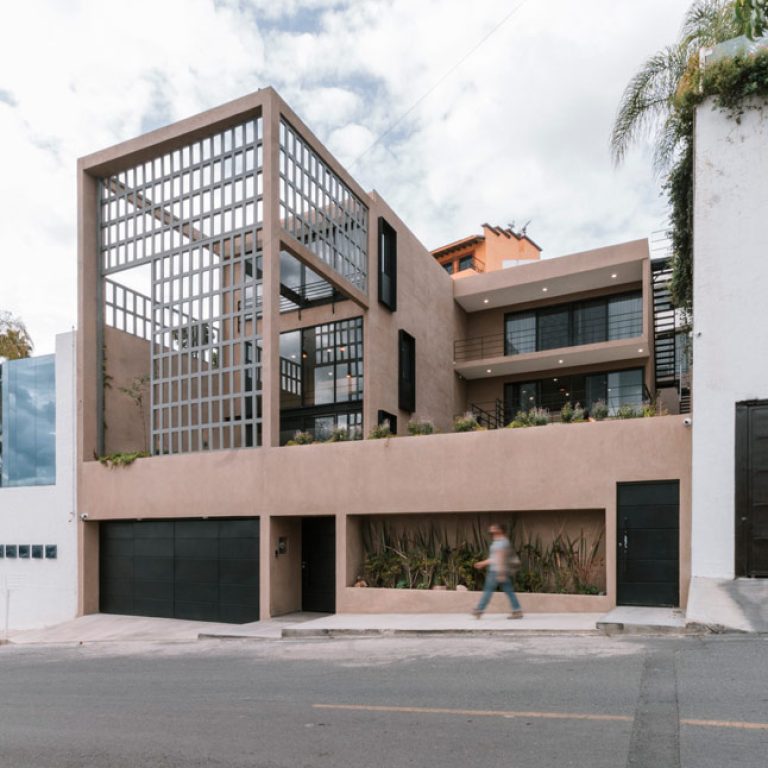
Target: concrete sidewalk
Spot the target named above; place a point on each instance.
(106, 628)
(734, 605)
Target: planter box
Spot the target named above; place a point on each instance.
(375, 600)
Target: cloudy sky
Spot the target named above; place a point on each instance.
(492, 110)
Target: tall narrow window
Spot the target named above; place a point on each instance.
(387, 265)
(406, 394)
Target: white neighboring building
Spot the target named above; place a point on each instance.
(38, 526)
(730, 346)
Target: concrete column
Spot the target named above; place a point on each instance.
(270, 360)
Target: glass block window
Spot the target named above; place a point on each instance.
(320, 210)
(192, 219)
(28, 421)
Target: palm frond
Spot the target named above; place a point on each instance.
(647, 99)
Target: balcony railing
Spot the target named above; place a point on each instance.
(524, 341)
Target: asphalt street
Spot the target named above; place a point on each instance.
(695, 702)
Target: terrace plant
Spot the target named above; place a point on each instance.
(301, 438)
(599, 410)
(380, 431)
(466, 423)
(420, 427)
(338, 435)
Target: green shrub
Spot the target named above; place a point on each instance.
(599, 410)
(521, 420)
(466, 423)
(566, 413)
(578, 413)
(301, 438)
(380, 431)
(420, 427)
(628, 411)
(122, 459)
(338, 435)
(538, 417)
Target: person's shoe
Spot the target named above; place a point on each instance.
(476, 614)
(515, 615)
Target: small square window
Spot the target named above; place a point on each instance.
(24, 551)
(10, 551)
(51, 551)
(37, 551)
(2, 551)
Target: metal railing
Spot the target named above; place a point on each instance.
(624, 326)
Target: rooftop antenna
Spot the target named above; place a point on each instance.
(524, 230)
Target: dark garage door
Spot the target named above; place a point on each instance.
(648, 544)
(207, 570)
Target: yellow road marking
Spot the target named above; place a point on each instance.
(476, 712)
(512, 714)
(726, 724)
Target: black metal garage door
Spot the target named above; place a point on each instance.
(648, 544)
(207, 570)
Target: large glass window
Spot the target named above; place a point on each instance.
(28, 422)
(521, 333)
(321, 378)
(407, 372)
(566, 325)
(625, 316)
(553, 328)
(625, 388)
(615, 388)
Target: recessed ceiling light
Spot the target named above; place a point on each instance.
(545, 289)
(614, 275)
(487, 370)
(554, 379)
(485, 301)
(640, 350)
(559, 362)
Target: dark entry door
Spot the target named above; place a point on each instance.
(648, 546)
(752, 489)
(318, 564)
(207, 570)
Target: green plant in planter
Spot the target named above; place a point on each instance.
(599, 410)
(466, 423)
(338, 435)
(566, 413)
(380, 431)
(420, 427)
(114, 460)
(301, 438)
(521, 420)
(628, 411)
(649, 410)
(538, 417)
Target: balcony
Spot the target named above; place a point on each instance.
(536, 344)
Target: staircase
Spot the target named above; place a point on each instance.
(664, 326)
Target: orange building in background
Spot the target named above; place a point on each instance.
(497, 248)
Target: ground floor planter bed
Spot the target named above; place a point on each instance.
(383, 600)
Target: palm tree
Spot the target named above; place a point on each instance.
(647, 105)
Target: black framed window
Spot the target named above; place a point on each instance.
(570, 325)
(387, 265)
(553, 328)
(448, 267)
(465, 262)
(613, 388)
(406, 391)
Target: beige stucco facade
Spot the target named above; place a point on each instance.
(572, 470)
(559, 468)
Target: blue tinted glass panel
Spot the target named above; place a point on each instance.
(28, 422)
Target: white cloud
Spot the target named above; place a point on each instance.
(519, 130)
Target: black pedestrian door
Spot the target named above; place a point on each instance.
(318, 564)
(648, 543)
(752, 489)
(206, 570)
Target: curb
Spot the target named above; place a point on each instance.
(332, 632)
